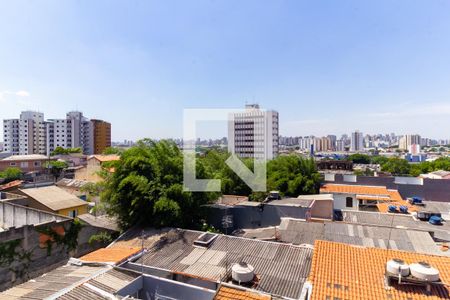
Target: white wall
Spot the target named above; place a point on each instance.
(340, 201)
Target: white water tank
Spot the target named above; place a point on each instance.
(424, 271)
(242, 272)
(398, 267)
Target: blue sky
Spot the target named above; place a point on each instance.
(326, 66)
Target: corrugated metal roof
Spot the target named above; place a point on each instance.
(71, 183)
(103, 221)
(301, 232)
(282, 268)
(396, 220)
(52, 282)
(109, 282)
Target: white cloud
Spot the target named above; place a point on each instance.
(22, 94)
(15, 96)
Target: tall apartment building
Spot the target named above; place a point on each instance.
(31, 134)
(25, 135)
(253, 133)
(72, 132)
(357, 141)
(406, 141)
(101, 135)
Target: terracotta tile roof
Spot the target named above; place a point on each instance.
(395, 195)
(229, 293)
(354, 189)
(111, 255)
(12, 184)
(341, 271)
(384, 196)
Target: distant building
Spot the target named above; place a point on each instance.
(357, 141)
(71, 132)
(55, 200)
(410, 139)
(441, 174)
(95, 163)
(26, 163)
(25, 135)
(340, 145)
(253, 133)
(362, 197)
(415, 158)
(31, 134)
(101, 136)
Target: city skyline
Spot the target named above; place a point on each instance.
(324, 68)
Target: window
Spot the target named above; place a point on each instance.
(12, 164)
(349, 202)
(73, 213)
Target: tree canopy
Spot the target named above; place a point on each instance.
(64, 151)
(146, 188)
(112, 150)
(11, 174)
(147, 185)
(56, 167)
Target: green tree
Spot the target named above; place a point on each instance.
(146, 188)
(64, 151)
(293, 175)
(112, 150)
(378, 159)
(56, 167)
(11, 174)
(358, 158)
(396, 166)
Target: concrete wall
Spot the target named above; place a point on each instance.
(150, 288)
(430, 189)
(340, 201)
(322, 209)
(24, 226)
(12, 215)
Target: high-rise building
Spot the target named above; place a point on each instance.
(340, 145)
(11, 136)
(407, 140)
(357, 141)
(253, 133)
(25, 135)
(71, 132)
(101, 135)
(31, 134)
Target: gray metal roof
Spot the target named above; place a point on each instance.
(300, 232)
(103, 221)
(396, 220)
(109, 282)
(71, 183)
(292, 202)
(282, 268)
(52, 282)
